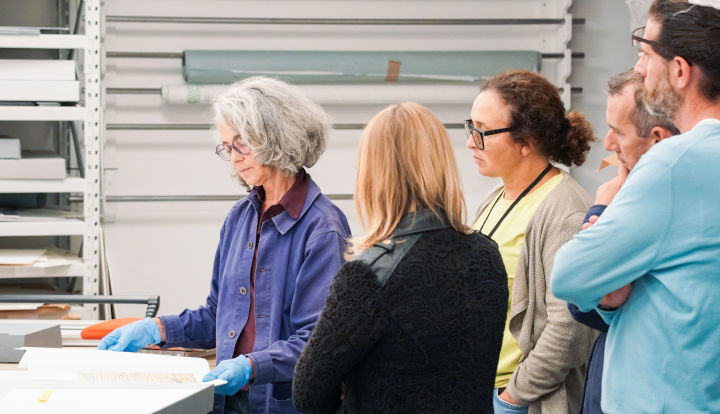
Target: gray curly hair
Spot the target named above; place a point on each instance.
(283, 127)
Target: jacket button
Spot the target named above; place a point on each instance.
(243, 291)
(231, 334)
(250, 245)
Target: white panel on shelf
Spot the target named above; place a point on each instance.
(42, 113)
(37, 69)
(59, 227)
(44, 41)
(68, 185)
(43, 165)
(23, 272)
(39, 90)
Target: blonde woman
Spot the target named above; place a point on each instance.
(414, 323)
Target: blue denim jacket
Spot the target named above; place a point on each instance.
(297, 260)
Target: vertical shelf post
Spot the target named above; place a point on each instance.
(93, 144)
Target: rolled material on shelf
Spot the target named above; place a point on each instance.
(23, 200)
(341, 94)
(227, 66)
(191, 94)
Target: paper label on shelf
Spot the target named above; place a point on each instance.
(20, 256)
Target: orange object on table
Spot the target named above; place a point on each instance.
(100, 329)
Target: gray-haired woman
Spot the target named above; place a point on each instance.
(279, 249)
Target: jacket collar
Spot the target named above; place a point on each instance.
(284, 221)
(418, 222)
(293, 201)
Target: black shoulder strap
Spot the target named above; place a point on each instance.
(383, 258)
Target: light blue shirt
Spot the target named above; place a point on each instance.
(662, 233)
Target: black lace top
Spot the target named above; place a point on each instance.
(426, 339)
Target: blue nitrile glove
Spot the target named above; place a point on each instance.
(235, 371)
(132, 337)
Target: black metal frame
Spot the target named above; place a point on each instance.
(153, 302)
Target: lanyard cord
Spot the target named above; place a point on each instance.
(517, 200)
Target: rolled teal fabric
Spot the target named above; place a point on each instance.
(227, 66)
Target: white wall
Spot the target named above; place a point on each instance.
(605, 39)
(167, 248)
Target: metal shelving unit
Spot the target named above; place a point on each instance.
(84, 222)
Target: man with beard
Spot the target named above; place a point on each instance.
(661, 232)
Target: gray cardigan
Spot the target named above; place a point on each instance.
(550, 374)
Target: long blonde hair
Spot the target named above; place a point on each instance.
(405, 163)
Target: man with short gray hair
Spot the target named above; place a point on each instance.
(632, 132)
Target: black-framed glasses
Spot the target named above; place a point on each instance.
(479, 136)
(238, 144)
(637, 38)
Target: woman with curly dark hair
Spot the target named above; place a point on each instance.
(519, 132)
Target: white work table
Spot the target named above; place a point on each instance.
(77, 378)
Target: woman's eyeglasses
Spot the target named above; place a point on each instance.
(238, 144)
(479, 136)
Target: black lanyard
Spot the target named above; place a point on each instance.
(517, 200)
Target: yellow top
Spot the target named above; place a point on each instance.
(510, 237)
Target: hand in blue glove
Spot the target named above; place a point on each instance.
(235, 371)
(132, 337)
